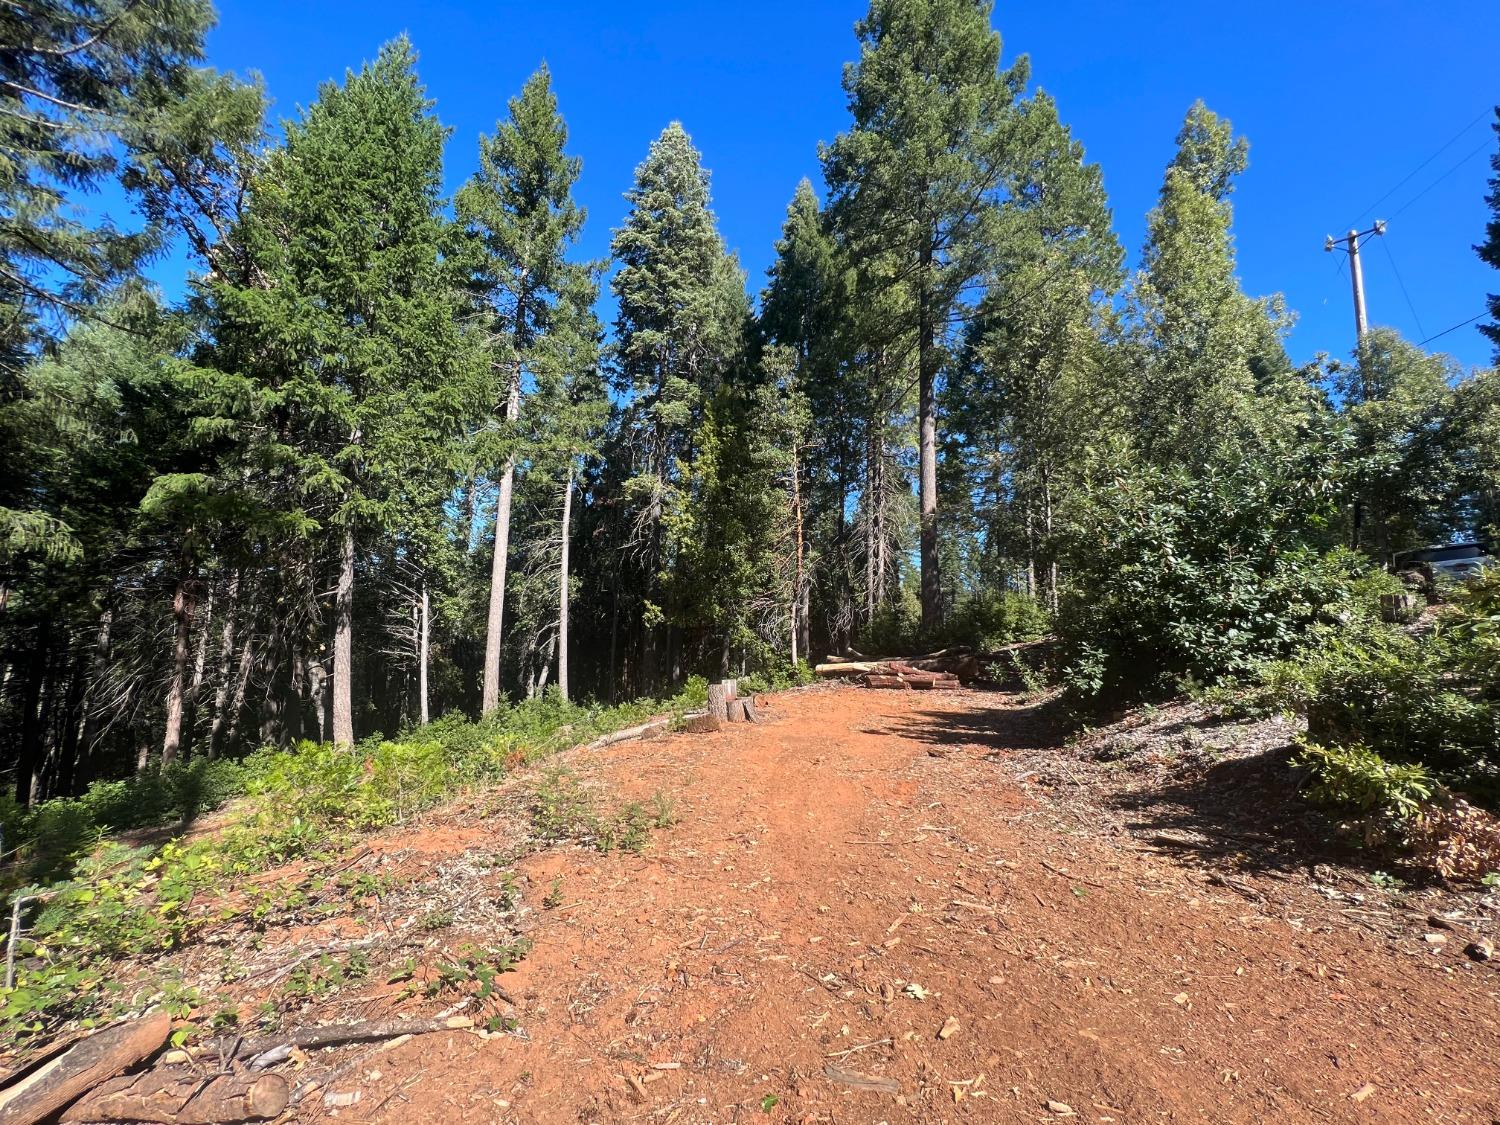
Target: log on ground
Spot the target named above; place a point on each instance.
(81, 1067)
(183, 1097)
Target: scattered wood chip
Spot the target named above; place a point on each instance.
(1363, 1092)
(949, 1028)
(861, 1081)
(1062, 1109)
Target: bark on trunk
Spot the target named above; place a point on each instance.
(226, 666)
(927, 362)
(424, 647)
(493, 636)
(241, 688)
(182, 610)
(796, 599)
(343, 647)
(562, 588)
(195, 681)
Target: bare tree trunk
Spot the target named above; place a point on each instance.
(100, 667)
(343, 647)
(1052, 573)
(182, 610)
(927, 364)
(28, 766)
(493, 636)
(195, 683)
(226, 664)
(423, 650)
(797, 566)
(562, 587)
(241, 688)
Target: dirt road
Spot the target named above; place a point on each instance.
(860, 917)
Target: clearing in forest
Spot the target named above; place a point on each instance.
(919, 906)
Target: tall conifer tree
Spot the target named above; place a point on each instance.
(519, 213)
(913, 180)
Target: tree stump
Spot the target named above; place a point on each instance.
(719, 696)
(703, 724)
(736, 710)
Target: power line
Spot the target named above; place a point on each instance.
(1410, 175)
(1482, 146)
(1455, 328)
(1401, 281)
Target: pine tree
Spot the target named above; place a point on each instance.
(1207, 374)
(349, 343)
(519, 213)
(680, 324)
(1489, 249)
(1024, 402)
(914, 179)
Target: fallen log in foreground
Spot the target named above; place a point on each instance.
(80, 1068)
(183, 1097)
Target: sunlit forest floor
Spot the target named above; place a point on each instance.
(890, 906)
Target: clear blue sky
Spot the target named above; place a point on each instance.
(1341, 99)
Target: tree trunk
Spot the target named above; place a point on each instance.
(29, 762)
(490, 698)
(424, 649)
(796, 599)
(182, 610)
(241, 687)
(562, 587)
(927, 364)
(343, 647)
(195, 682)
(226, 665)
(100, 666)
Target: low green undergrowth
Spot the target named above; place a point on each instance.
(117, 901)
(1397, 721)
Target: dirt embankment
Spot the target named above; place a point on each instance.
(901, 906)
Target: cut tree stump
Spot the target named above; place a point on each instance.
(183, 1097)
(736, 710)
(719, 696)
(748, 706)
(702, 724)
(82, 1067)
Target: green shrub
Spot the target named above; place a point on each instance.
(1174, 576)
(1357, 777)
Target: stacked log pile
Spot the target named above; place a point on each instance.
(945, 669)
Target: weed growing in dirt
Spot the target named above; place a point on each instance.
(122, 903)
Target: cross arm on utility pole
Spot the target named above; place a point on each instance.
(1356, 273)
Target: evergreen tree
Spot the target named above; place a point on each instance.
(914, 178)
(1206, 373)
(519, 213)
(682, 311)
(349, 340)
(1025, 402)
(1489, 249)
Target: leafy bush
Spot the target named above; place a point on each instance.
(1174, 576)
(982, 620)
(1356, 776)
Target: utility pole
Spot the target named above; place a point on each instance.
(1356, 273)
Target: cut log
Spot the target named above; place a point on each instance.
(270, 1050)
(719, 696)
(82, 1067)
(183, 1097)
(655, 726)
(736, 710)
(851, 669)
(747, 705)
(732, 689)
(702, 724)
(895, 683)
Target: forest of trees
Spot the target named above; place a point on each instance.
(383, 461)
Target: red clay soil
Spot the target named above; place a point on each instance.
(858, 917)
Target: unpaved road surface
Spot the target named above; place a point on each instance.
(859, 917)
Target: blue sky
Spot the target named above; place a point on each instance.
(1340, 100)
